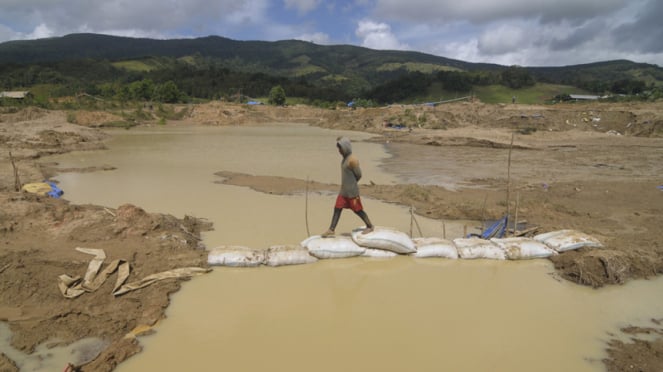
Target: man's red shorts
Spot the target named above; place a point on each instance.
(351, 203)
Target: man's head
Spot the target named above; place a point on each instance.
(344, 146)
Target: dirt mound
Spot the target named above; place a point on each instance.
(92, 118)
(151, 243)
(12, 114)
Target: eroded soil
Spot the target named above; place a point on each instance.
(603, 160)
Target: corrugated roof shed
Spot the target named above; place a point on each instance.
(14, 94)
(583, 96)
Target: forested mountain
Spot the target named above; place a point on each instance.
(213, 66)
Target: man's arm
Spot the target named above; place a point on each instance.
(353, 164)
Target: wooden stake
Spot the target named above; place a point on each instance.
(415, 222)
(515, 220)
(508, 177)
(411, 219)
(306, 209)
(17, 180)
(483, 214)
(444, 230)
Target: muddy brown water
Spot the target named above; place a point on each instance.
(351, 314)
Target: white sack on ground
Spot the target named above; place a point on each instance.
(472, 248)
(517, 248)
(279, 255)
(434, 247)
(236, 256)
(566, 240)
(378, 253)
(332, 247)
(384, 238)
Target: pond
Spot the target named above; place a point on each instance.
(348, 314)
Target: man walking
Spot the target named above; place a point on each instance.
(348, 197)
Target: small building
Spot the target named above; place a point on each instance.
(584, 97)
(22, 94)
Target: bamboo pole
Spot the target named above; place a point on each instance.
(306, 209)
(416, 223)
(508, 178)
(515, 220)
(17, 180)
(483, 214)
(411, 219)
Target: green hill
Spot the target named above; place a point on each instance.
(210, 66)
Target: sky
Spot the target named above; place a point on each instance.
(506, 32)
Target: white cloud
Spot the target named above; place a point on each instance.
(502, 39)
(376, 35)
(302, 6)
(41, 31)
(481, 11)
(464, 51)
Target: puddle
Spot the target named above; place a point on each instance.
(51, 356)
(374, 314)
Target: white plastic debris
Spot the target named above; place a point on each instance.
(566, 240)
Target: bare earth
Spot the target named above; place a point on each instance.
(603, 163)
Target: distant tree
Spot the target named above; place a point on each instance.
(277, 95)
(168, 92)
(563, 97)
(516, 77)
(142, 90)
(402, 88)
(362, 102)
(628, 86)
(455, 81)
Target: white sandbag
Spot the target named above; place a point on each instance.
(280, 255)
(378, 253)
(518, 248)
(332, 247)
(566, 240)
(473, 248)
(384, 238)
(235, 255)
(434, 247)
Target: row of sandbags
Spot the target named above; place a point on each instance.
(386, 242)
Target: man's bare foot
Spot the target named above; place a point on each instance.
(367, 230)
(328, 233)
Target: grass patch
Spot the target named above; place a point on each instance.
(537, 94)
(426, 68)
(133, 66)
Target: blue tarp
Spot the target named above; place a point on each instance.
(496, 230)
(55, 192)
